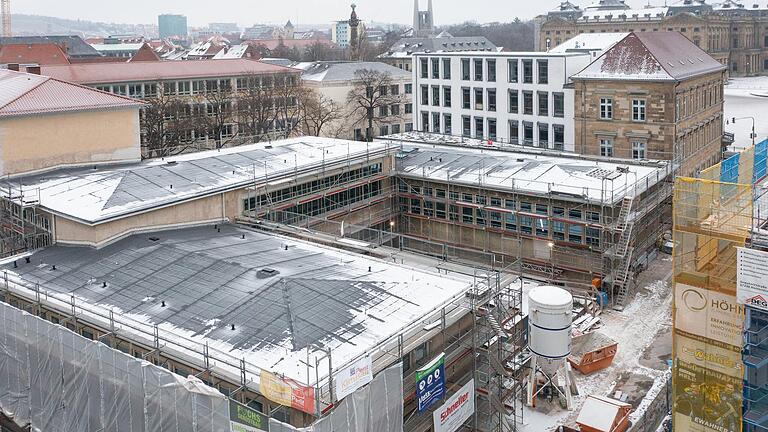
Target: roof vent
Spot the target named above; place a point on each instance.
(154, 239)
(520, 160)
(266, 273)
(267, 147)
(171, 163)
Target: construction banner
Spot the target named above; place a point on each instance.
(430, 382)
(752, 278)
(706, 400)
(246, 419)
(456, 410)
(287, 392)
(709, 314)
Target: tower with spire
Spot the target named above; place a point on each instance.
(354, 36)
(423, 21)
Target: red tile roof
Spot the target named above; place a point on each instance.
(145, 53)
(95, 73)
(26, 94)
(652, 56)
(42, 54)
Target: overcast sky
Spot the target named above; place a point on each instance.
(247, 12)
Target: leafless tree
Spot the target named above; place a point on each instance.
(371, 98)
(168, 125)
(256, 107)
(220, 115)
(318, 113)
(287, 92)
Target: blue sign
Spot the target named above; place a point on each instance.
(430, 382)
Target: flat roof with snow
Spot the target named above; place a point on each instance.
(288, 299)
(509, 168)
(95, 195)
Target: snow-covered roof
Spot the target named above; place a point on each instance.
(533, 173)
(117, 47)
(625, 14)
(651, 56)
(234, 52)
(444, 43)
(287, 299)
(345, 71)
(97, 195)
(589, 42)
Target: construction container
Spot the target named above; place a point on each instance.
(591, 352)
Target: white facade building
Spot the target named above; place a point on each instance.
(509, 97)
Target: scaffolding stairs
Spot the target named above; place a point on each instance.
(622, 279)
(624, 252)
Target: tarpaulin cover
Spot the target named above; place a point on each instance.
(57, 380)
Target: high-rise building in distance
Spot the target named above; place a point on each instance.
(172, 25)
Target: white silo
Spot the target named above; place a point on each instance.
(550, 316)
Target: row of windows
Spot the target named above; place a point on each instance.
(524, 224)
(184, 88)
(302, 189)
(485, 100)
(501, 203)
(334, 201)
(698, 99)
(607, 111)
(639, 148)
(478, 69)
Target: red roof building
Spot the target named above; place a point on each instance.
(144, 54)
(41, 54)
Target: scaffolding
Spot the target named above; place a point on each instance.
(22, 226)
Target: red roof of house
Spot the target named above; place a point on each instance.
(96, 73)
(144, 54)
(42, 54)
(24, 94)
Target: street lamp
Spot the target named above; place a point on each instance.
(733, 120)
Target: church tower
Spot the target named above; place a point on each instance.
(423, 21)
(354, 35)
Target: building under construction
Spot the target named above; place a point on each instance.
(418, 247)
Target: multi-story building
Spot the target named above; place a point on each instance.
(335, 81)
(171, 25)
(733, 33)
(652, 95)
(341, 33)
(192, 82)
(513, 97)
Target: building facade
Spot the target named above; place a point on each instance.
(171, 25)
(519, 98)
(652, 96)
(200, 87)
(733, 33)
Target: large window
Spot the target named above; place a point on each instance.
(479, 127)
(425, 95)
(466, 97)
(447, 97)
(558, 105)
(638, 110)
(465, 69)
(514, 132)
(513, 72)
(408, 88)
(543, 104)
(436, 122)
(491, 99)
(478, 69)
(558, 132)
(491, 70)
(606, 108)
(492, 129)
(478, 99)
(543, 71)
(514, 102)
(528, 71)
(435, 95)
(424, 67)
(528, 133)
(638, 150)
(435, 68)
(606, 147)
(466, 126)
(447, 127)
(543, 135)
(528, 102)
(446, 68)
(425, 121)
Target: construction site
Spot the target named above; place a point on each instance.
(294, 261)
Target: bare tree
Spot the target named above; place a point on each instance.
(220, 116)
(372, 97)
(287, 92)
(256, 107)
(168, 125)
(318, 113)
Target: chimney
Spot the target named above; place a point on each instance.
(13, 66)
(33, 70)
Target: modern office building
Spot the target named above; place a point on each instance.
(523, 98)
(171, 25)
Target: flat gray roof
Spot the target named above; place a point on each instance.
(210, 278)
(94, 195)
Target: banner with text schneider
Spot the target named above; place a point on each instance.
(353, 377)
(430, 383)
(456, 410)
(246, 419)
(287, 392)
(752, 278)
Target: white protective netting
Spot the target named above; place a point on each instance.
(377, 407)
(57, 380)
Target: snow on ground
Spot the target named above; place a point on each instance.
(746, 97)
(635, 329)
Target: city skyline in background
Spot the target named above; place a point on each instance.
(300, 12)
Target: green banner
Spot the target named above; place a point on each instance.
(245, 419)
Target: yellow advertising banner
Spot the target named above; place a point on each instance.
(705, 400)
(287, 392)
(709, 354)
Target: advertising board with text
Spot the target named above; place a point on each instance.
(287, 392)
(246, 419)
(709, 314)
(752, 278)
(456, 410)
(353, 377)
(430, 382)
